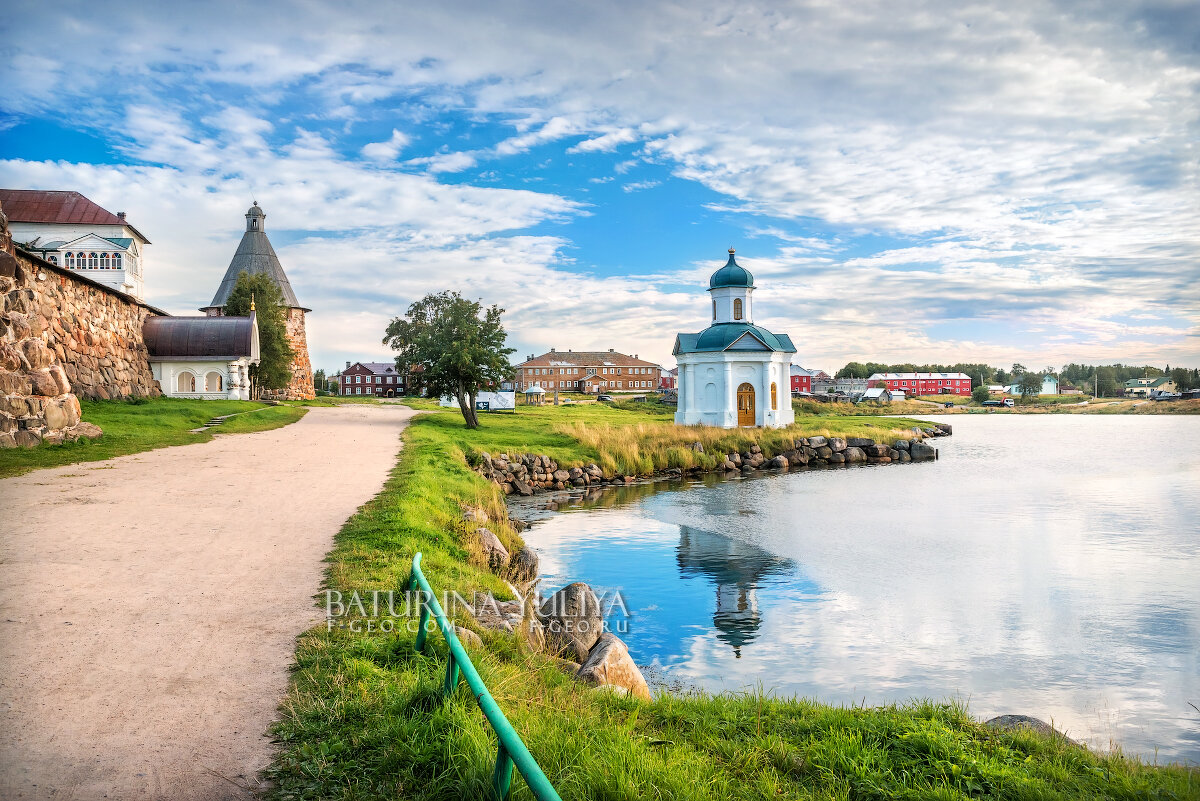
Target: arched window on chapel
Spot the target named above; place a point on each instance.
(774, 398)
(737, 308)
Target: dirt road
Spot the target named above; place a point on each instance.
(149, 604)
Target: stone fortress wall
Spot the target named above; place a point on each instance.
(61, 336)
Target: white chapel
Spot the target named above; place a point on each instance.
(734, 373)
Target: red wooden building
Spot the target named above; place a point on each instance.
(802, 380)
(380, 379)
(923, 383)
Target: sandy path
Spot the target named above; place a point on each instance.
(149, 604)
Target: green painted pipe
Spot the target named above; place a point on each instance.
(512, 750)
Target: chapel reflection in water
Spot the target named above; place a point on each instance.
(736, 569)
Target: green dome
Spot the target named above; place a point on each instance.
(732, 274)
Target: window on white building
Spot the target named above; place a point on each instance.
(93, 261)
(103, 261)
(213, 382)
(52, 259)
(116, 261)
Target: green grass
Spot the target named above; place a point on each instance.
(364, 718)
(132, 427)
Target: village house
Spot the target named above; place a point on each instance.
(68, 230)
(802, 379)
(734, 372)
(668, 379)
(381, 379)
(1149, 386)
(923, 383)
(586, 371)
(1049, 387)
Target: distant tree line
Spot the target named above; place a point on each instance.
(1106, 380)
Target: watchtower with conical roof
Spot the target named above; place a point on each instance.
(256, 256)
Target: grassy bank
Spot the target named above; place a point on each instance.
(364, 718)
(132, 427)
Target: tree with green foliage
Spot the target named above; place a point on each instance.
(1029, 385)
(457, 345)
(980, 394)
(274, 370)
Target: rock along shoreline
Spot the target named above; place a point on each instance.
(528, 474)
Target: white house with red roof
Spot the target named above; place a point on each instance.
(67, 229)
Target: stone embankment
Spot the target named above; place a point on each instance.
(531, 473)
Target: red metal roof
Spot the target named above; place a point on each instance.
(37, 206)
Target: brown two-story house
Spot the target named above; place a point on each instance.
(587, 371)
(380, 379)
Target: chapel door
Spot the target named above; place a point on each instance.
(745, 401)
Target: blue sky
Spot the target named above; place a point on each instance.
(1001, 182)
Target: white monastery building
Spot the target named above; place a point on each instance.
(203, 357)
(734, 373)
(67, 229)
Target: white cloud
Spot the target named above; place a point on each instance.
(386, 151)
(605, 143)
(638, 186)
(1013, 161)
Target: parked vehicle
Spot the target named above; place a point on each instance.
(948, 405)
(604, 397)
(1008, 402)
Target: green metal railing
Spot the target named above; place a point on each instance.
(510, 750)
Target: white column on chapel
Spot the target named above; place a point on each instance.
(730, 397)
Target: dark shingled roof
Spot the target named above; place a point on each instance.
(255, 255)
(200, 338)
(65, 208)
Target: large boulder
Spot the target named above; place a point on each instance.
(854, 455)
(900, 445)
(521, 487)
(837, 444)
(468, 638)
(824, 452)
(817, 442)
(877, 450)
(524, 565)
(572, 621)
(493, 549)
(1025, 722)
(859, 442)
(474, 514)
(920, 452)
(778, 463)
(610, 665)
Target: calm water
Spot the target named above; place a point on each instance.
(1045, 565)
